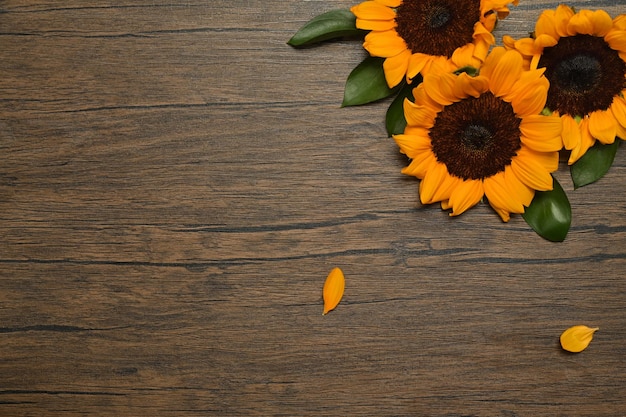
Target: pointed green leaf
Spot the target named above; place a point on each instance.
(594, 163)
(330, 25)
(366, 83)
(395, 120)
(550, 214)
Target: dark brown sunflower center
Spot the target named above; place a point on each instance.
(477, 137)
(439, 17)
(585, 74)
(437, 27)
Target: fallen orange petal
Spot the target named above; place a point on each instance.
(333, 289)
(577, 338)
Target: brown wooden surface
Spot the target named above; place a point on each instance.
(175, 184)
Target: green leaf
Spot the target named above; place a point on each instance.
(594, 163)
(330, 25)
(366, 83)
(550, 214)
(395, 120)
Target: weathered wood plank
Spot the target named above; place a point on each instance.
(175, 184)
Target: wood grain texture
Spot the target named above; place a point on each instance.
(176, 183)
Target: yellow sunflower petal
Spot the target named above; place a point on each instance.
(621, 132)
(417, 63)
(620, 22)
(433, 182)
(571, 132)
(498, 195)
(542, 133)
(581, 23)
(465, 195)
(526, 46)
(530, 167)
(446, 187)
(509, 42)
(546, 24)
(419, 167)
(504, 215)
(603, 126)
(618, 107)
(602, 23)
(484, 36)
(586, 141)
(523, 192)
(372, 11)
(390, 3)
(470, 55)
(587, 22)
(489, 20)
(616, 40)
(384, 44)
(423, 99)
(529, 97)
(465, 85)
(378, 25)
(395, 68)
(505, 73)
(440, 87)
(544, 41)
(491, 61)
(413, 144)
(562, 16)
(417, 115)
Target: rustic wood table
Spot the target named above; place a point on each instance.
(175, 184)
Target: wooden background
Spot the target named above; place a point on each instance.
(176, 183)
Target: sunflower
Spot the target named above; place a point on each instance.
(584, 56)
(410, 34)
(474, 136)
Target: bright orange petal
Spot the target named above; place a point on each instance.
(542, 133)
(384, 44)
(586, 142)
(419, 167)
(417, 63)
(618, 107)
(580, 24)
(602, 23)
(530, 168)
(378, 25)
(616, 40)
(389, 3)
(466, 194)
(491, 61)
(562, 16)
(517, 187)
(504, 215)
(416, 115)
(469, 55)
(446, 187)
(423, 99)
(506, 73)
(465, 85)
(440, 87)
(545, 24)
(498, 195)
(530, 97)
(603, 126)
(413, 144)
(432, 183)
(621, 132)
(395, 68)
(571, 132)
(373, 11)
